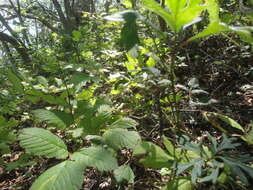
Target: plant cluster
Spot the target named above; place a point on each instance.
(113, 93)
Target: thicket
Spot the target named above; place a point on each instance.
(126, 94)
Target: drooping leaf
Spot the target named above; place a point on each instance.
(124, 174)
(121, 138)
(155, 157)
(42, 142)
(15, 81)
(58, 118)
(211, 29)
(96, 156)
(245, 33)
(229, 121)
(66, 175)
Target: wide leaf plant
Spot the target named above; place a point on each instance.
(179, 14)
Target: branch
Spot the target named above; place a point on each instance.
(43, 21)
(23, 51)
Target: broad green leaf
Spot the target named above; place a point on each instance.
(124, 123)
(96, 156)
(180, 183)
(79, 79)
(67, 175)
(58, 118)
(156, 8)
(151, 62)
(104, 113)
(211, 29)
(76, 35)
(229, 121)
(15, 81)
(129, 35)
(155, 157)
(213, 10)
(181, 12)
(53, 99)
(169, 146)
(42, 142)
(124, 174)
(121, 138)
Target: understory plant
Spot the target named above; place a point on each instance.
(215, 164)
(190, 164)
(100, 153)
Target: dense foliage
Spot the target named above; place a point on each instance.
(126, 94)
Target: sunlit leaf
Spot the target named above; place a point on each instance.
(66, 175)
(42, 142)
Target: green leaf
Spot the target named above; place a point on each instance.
(66, 175)
(15, 81)
(79, 79)
(212, 177)
(124, 174)
(155, 157)
(211, 29)
(96, 156)
(58, 118)
(181, 12)
(121, 138)
(183, 166)
(76, 35)
(249, 136)
(170, 148)
(124, 123)
(197, 170)
(229, 121)
(4, 148)
(244, 32)
(180, 183)
(104, 113)
(156, 8)
(129, 35)
(42, 142)
(151, 62)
